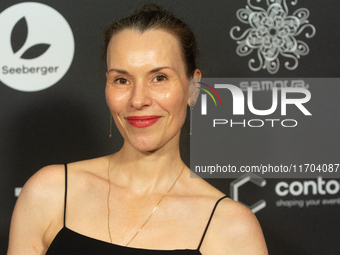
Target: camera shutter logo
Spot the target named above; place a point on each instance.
(36, 46)
(272, 33)
(249, 177)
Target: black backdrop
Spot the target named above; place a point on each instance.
(69, 121)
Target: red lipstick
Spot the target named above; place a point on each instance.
(142, 121)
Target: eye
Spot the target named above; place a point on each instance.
(122, 81)
(159, 78)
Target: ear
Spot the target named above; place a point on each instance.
(194, 91)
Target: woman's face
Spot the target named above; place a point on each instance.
(147, 89)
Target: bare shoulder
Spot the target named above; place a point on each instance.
(50, 180)
(48, 177)
(38, 213)
(43, 188)
(39, 203)
(235, 230)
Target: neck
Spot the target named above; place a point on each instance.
(146, 172)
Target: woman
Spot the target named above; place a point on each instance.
(140, 200)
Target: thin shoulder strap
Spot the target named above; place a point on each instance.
(206, 228)
(65, 194)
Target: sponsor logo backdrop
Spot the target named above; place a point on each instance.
(53, 107)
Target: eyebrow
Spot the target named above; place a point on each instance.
(160, 68)
(151, 71)
(117, 71)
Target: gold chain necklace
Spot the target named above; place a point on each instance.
(154, 209)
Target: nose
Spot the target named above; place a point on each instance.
(140, 96)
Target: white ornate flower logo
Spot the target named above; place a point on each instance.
(272, 33)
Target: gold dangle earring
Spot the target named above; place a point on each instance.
(110, 135)
(191, 108)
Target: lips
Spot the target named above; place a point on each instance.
(142, 121)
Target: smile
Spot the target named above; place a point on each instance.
(142, 121)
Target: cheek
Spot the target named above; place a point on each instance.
(173, 99)
(115, 99)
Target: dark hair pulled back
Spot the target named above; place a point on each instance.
(152, 16)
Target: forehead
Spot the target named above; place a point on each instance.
(154, 47)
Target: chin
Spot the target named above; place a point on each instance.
(146, 145)
(152, 142)
(146, 149)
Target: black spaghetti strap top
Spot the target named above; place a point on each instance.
(69, 242)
